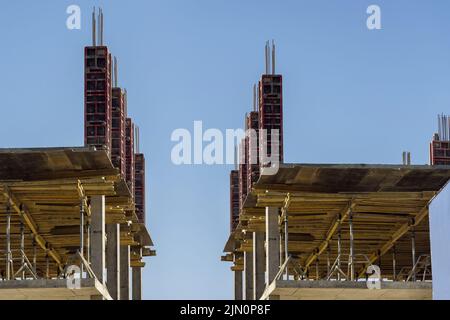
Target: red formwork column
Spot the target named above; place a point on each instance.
(129, 154)
(243, 172)
(118, 130)
(98, 101)
(271, 111)
(139, 186)
(252, 123)
(234, 199)
(440, 152)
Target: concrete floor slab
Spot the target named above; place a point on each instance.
(51, 290)
(347, 290)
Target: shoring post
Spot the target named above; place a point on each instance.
(394, 262)
(81, 232)
(352, 266)
(413, 251)
(22, 248)
(339, 249)
(8, 243)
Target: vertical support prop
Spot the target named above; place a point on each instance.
(394, 263)
(8, 243)
(81, 233)
(286, 242)
(47, 266)
(351, 257)
(22, 249)
(413, 251)
(339, 249)
(328, 259)
(317, 269)
(34, 255)
(88, 241)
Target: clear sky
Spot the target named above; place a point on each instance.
(350, 96)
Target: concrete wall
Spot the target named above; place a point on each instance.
(440, 240)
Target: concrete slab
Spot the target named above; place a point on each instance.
(347, 290)
(51, 290)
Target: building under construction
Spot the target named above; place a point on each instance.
(318, 231)
(72, 219)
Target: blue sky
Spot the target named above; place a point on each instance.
(350, 96)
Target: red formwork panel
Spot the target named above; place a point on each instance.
(271, 111)
(440, 152)
(252, 122)
(139, 186)
(118, 130)
(234, 199)
(129, 154)
(97, 98)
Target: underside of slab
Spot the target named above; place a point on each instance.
(347, 290)
(52, 290)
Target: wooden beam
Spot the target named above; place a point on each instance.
(339, 218)
(27, 218)
(400, 232)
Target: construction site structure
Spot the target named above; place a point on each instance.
(315, 231)
(72, 220)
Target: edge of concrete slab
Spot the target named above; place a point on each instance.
(53, 289)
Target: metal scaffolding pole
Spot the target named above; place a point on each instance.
(81, 233)
(286, 240)
(351, 257)
(34, 255)
(413, 251)
(339, 248)
(88, 241)
(317, 269)
(8, 243)
(394, 263)
(47, 266)
(328, 259)
(22, 249)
